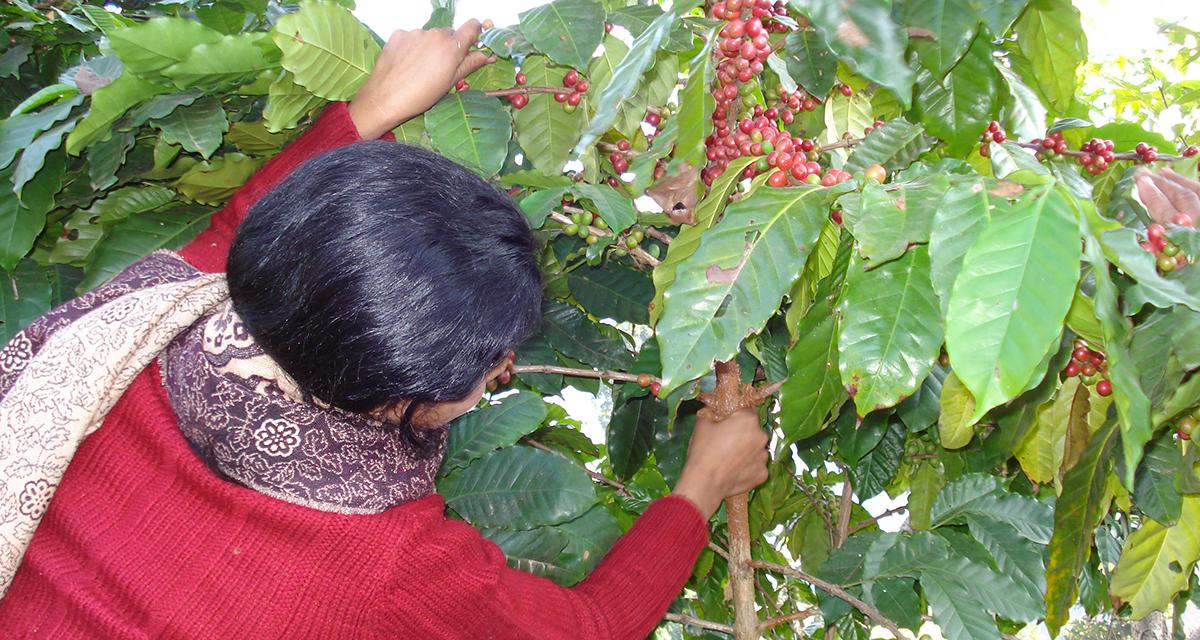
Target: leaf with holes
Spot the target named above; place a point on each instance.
(1156, 561)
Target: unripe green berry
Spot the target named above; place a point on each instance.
(1170, 249)
(571, 229)
(761, 164)
(1166, 263)
(584, 233)
(592, 239)
(767, 147)
(1092, 379)
(600, 223)
(638, 235)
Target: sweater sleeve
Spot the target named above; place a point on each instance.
(456, 584)
(334, 128)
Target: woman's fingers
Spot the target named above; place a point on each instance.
(472, 63)
(468, 33)
(1185, 200)
(1156, 202)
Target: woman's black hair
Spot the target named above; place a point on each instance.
(380, 272)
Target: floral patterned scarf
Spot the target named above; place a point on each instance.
(237, 409)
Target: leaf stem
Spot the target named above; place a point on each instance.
(697, 622)
(596, 476)
(871, 612)
(618, 376)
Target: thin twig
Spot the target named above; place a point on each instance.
(1125, 155)
(859, 526)
(788, 617)
(500, 93)
(618, 376)
(658, 235)
(844, 508)
(598, 477)
(716, 548)
(637, 252)
(697, 622)
(871, 612)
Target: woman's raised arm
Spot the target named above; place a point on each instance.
(414, 70)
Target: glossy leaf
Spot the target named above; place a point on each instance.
(1156, 561)
(696, 103)
(491, 427)
(863, 34)
(198, 128)
(1041, 452)
(631, 433)
(615, 209)
(810, 61)
(1076, 515)
(22, 219)
(33, 158)
(566, 30)
(874, 471)
(213, 182)
(887, 222)
(1154, 488)
(572, 333)
(962, 214)
(845, 115)
(1052, 40)
(894, 145)
(17, 131)
(953, 24)
(288, 103)
(472, 129)
(138, 236)
(612, 291)
(891, 331)
(518, 488)
(956, 108)
(109, 103)
(232, 60)
(326, 49)
(736, 279)
(1010, 299)
(24, 295)
(151, 46)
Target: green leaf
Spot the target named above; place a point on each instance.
(964, 211)
(22, 219)
(107, 21)
(1017, 558)
(958, 406)
(24, 295)
(1133, 407)
(855, 438)
(471, 129)
(213, 182)
(109, 103)
(1122, 248)
(953, 24)
(891, 331)
(615, 209)
(894, 145)
(922, 408)
(612, 291)
(888, 220)
(573, 334)
(326, 49)
(874, 471)
(232, 60)
(1076, 514)
(589, 537)
(1000, 14)
(104, 158)
(736, 278)
(627, 74)
(813, 387)
(810, 61)
(696, 104)
(16, 132)
(1041, 451)
(1126, 135)
(566, 30)
(1156, 561)
(151, 46)
(1027, 115)
(288, 103)
(12, 59)
(198, 128)
(976, 494)
(535, 551)
(845, 115)
(1010, 299)
(546, 131)
(34, 156)
(688, 239)
(631, 433)
(138, 236)
(255, 138)
(442, 15)
(863, 34)
(1052, 40)
(519, 488)
(491, 427)
(958, 107)
(957, 614)
(538, 205)
(1154, 489)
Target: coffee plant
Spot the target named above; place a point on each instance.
(902, 218)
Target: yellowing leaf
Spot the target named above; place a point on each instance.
(954, 425)
(1157, 561)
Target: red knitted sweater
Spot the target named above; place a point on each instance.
(142, 540)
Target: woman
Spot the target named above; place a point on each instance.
(269, 471)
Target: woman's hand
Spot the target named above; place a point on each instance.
(1169, 197)
(414, 70)
(724, 459)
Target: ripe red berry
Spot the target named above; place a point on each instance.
(1191, 151)
(1072, 370)
(519, 101)
(1082, 354)
(521, 79)
(581, 86)
(655, 387)
(623, 145)
(1183, 220)
(461, 85)
(1155, 233)
(778, 179)
(608, 27)
(570, 78)
(560, 97)
(644, 380)
(846, 90)
(1104, 388)
(653, 119)
(836, 216)
(574, 99)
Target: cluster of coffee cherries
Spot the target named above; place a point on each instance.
(581, 220)
(844, 89)
(993, 133)
(1146, 153)
(761, 9)
(1097, 155)
(1090, 366)
(647, 381)
(798, 100)
(1190, 151)
(620, 158)
(1167, 254)
(576, 86)
(519, 100)
(1185, 425)
(871, 127)
(1051, 145)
